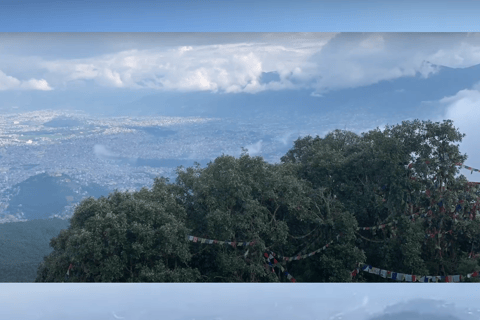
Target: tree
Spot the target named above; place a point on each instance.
(142, 236)
(248, 199)
(370, 177)
(317, 198)
(137, 237)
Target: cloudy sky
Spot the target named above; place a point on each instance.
(218, 301)
(225, 62)
(234, 62)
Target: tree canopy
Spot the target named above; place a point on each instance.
(315, 200)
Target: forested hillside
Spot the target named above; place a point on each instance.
(23, 246)
(332, 208)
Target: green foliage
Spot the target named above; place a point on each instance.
(123, 238)
(369, 176)
(23, 246)
(321, 189)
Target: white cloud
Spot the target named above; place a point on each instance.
(352, 60)
(464, 109)
(101, 151)
(228, 67)
(8, 82)
(12, 83)
(285, 138)
(34, 84)
(320, 61)
(255, 148)
(373, 43)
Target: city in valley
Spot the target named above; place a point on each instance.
(79, 155)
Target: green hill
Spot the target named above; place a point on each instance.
(23, 246)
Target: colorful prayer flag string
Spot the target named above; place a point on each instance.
(398, 276)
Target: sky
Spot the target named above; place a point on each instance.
(239, 16)
(233, 63)
(225, 62)
(219, 301)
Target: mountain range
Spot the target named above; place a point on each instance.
(414, 309)
(412, 96)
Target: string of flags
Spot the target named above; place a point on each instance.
(468, 168)
(235, 244)
(412, 217)
(269, 257)
(439, 202)
(398, 276)
(447, 157)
